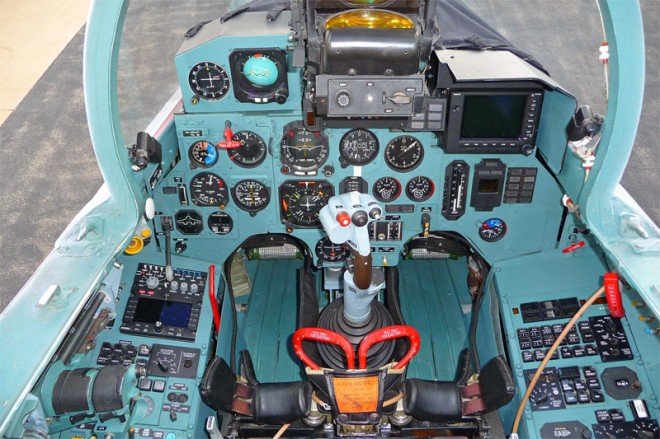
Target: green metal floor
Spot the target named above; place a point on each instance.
(429, 301)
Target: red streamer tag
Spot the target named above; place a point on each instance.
(613, 295)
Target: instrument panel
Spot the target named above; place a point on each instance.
(280, 166)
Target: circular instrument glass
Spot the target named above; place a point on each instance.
(208, 189)
(203, 154)
(404, 153)
(328, 251)
(386, 189)
(250, 195)
(358, 146)
(220, 223)
(369, 18)
(420, 188)
(301, 201)
(208, 81)
(303, 150)
(493, 229)
(252, 151)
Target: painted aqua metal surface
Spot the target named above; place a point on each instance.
(78, 265)
(605, 211)
(89, 244)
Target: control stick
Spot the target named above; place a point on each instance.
(345, 219)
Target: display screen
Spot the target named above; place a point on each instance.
(169, 313)
(493, 116)
(488, 185)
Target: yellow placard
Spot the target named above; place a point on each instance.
(356, 395)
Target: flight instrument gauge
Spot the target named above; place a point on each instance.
(328, 251)
(208, 81)
(493, 229)
(303, 151)
(358, 146)
(387, 189)
(404, 153)
(250, 195)
(202, 154)
(189, 222)
(209, 189)
(220, 223)
(252, 151)
(420, 188)
(260, 75)
(301, 201)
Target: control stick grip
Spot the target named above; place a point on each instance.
(362, 270)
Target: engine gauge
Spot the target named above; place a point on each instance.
(220, 223)
(301, 201)
(302, 150)
(386, 189)
(209, 189)
(252, 151)
(404, 153)
(493, 229)
(358, 146)
(328, 251)
(420, 188)
(208, 81)
(250, 195)
(203, 154)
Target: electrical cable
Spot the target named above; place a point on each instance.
(548, 355)
(281, 431)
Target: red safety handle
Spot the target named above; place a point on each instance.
(389, 333)
(326, 336)
(229, 143)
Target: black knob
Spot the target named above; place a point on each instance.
(360, 218)
(180, 247)
(375, 213)
(527, 149)
(281, 95)
(586, 434)
(158, 327)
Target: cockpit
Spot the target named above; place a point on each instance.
(356, 219)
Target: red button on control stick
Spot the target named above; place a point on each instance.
(343, 219)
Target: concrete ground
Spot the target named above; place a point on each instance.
(48, 170)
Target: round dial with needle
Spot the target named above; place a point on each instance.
(252, 151)
(301, 202)
(250, 195)
(328, 251)
(386, 189)
(208, 189)
(302, 150)
(404, 153)
(208, 81)
(493, 229)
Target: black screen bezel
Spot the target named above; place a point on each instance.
(454, 143)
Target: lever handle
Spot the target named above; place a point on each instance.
(323, 335)
(389, 333)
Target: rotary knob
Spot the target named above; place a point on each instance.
(343, 99)
(194, 288)
(158, 327)
(152, 282)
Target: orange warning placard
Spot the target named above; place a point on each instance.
(356, 395)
